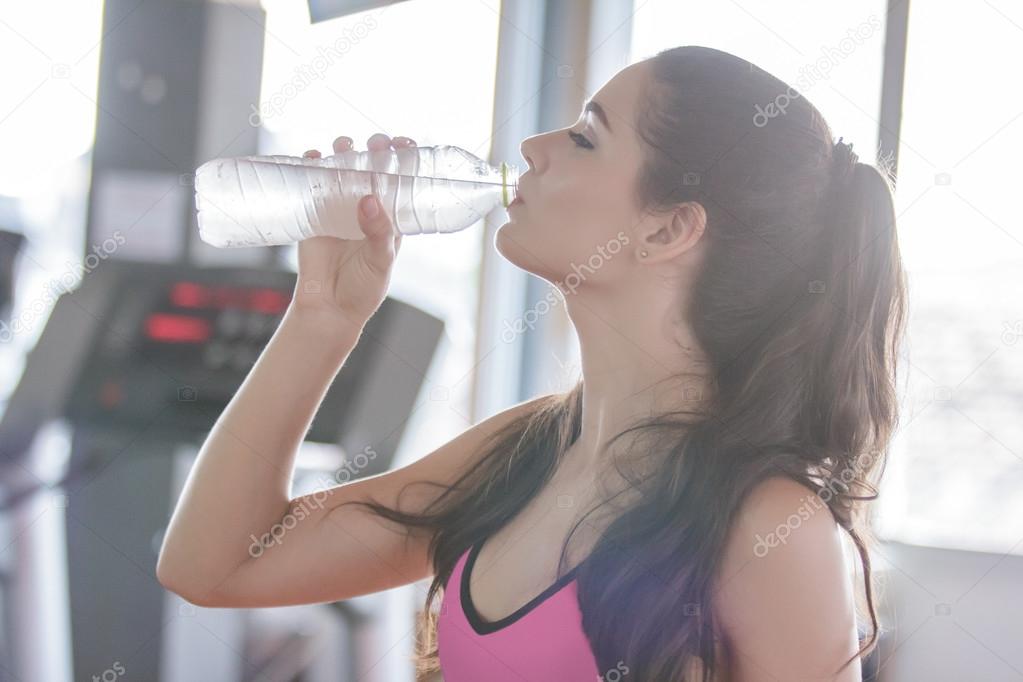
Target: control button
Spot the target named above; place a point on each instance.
(230, 322)
(215, 354)
(257, 324)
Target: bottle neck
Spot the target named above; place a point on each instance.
(509, 183)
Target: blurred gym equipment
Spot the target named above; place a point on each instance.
(129, 375)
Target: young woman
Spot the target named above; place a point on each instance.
(735, 281)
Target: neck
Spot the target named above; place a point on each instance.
(637, 361)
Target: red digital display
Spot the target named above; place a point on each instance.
(189, 295)
(194, 295)
(170, 328)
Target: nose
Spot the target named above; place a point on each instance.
(525, 155)
(526, 149)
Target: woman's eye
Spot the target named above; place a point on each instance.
(579, 140)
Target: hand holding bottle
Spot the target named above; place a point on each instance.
(268, 200)
(347, 280)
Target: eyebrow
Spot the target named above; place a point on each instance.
(592, 105)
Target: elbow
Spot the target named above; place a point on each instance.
(172, 582)
(189, 592)
(165, 570)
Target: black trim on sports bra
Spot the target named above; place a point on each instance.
(483, 627)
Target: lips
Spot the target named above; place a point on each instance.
(519, 194)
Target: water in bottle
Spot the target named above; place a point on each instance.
(268, 200)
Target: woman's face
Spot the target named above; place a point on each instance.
(578, 213)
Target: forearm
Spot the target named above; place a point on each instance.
(240, 483)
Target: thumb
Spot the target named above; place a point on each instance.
(376, 225)
(372, 217)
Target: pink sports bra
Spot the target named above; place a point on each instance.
(541, 641)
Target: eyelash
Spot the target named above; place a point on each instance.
(577, 138)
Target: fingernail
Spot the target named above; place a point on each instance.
(370, 207)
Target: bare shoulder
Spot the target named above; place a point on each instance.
(783, 591)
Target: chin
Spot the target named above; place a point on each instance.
(517, 246)
(508, 240)
(526, 254)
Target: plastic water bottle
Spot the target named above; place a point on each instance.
(268, 200)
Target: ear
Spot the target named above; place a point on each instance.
(678, 232)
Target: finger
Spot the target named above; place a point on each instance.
(378, 142)
(373, 218)
(312, 154)
(342, 144)
(379, 251)
(403, 141)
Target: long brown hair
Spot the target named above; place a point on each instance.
(799, 306)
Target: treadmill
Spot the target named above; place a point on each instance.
(128, 376)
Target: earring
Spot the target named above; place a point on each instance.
(643, 253)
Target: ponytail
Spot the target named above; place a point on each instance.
(860, 278)
(862, 303)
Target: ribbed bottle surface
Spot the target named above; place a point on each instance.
(268, 200)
